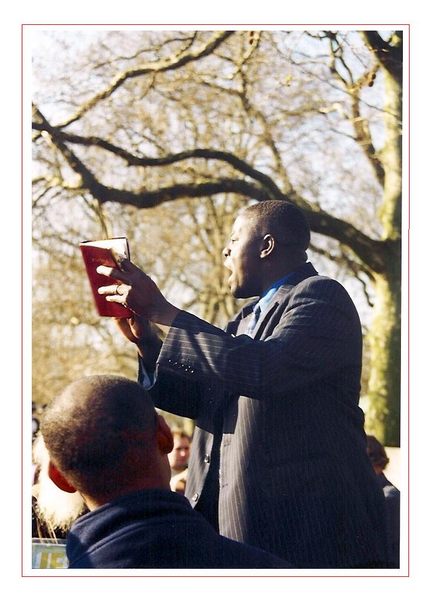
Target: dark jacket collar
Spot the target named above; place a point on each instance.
(305, 271)
(94, 527)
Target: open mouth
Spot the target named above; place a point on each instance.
(230, 272)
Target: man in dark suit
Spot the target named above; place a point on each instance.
(105, 440)
(278, 456)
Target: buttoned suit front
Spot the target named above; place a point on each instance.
(278, 457)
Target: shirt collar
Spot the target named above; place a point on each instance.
(267, 296)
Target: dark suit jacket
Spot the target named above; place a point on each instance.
(279, 458)
(156, 529)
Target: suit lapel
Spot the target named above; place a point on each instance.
(265, 318)
(240, 322)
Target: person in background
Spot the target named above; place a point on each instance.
(179, 460)
(379, 459)
(53, 511)
(106, 442)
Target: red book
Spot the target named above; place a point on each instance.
(99, 252)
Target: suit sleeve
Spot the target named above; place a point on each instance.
(318, 333)
(171, 392)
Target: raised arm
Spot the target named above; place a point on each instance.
(317, 334)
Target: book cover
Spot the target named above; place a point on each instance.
(99, 252)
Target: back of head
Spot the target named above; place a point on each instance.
(376, 453)
(283, 220)
(91, 428)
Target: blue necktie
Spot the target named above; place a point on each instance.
(253, 319)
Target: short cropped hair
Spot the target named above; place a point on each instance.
(176, 431)
(282, 219)
(376, 452)
(89, 428)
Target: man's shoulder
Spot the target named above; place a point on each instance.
(316, 286)
(322, 293)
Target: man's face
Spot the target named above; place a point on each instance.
(242, 259)
(179, 457)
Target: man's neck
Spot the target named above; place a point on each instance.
(176, 470)
(276, 274)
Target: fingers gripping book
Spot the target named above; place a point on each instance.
(101, 252)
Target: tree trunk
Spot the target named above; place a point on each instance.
(384, 337)
(384, 342)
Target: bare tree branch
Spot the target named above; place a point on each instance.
(187, 39)
(353, 88)
(143, 161)
(389, 53)
(168, 64)
(369, 250)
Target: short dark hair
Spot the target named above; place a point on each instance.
(284, 220)
(376, 452)
(91, 425)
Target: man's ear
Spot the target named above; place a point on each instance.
(164, 436)
(267, 246)
(56, 477)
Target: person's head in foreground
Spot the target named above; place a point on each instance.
(105, 440)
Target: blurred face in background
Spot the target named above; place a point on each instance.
(179, 457)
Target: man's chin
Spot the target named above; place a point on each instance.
(232, 287)
(238, 292)
(235, 292)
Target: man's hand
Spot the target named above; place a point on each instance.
(138, 292)
(145, 335)
(138, 330)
